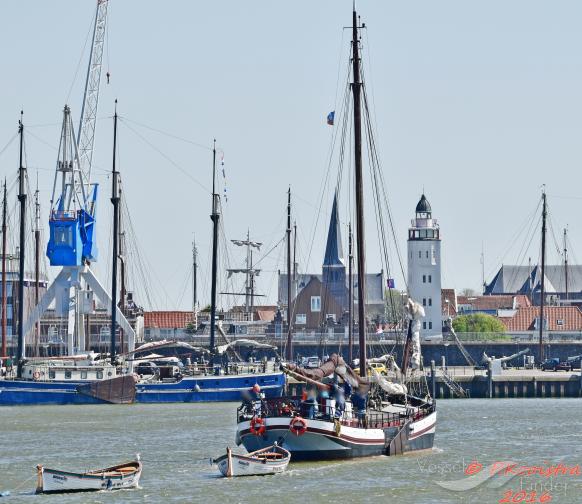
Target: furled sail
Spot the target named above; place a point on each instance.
(415, 312)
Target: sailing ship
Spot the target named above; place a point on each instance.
(380, 417)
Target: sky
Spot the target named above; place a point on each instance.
(476, 103)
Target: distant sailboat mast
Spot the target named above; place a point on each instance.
(4, 296)
(543, 275)
(21, 349)
(215, 216)
(356, 89)
(289, 355)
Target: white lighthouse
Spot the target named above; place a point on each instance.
(424, 267)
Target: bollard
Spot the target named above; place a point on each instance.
(433, 378)
(489, 381)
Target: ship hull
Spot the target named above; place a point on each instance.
(321, 440)
(210, 388)
(189, 389)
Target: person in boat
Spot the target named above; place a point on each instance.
(340, 400)
(257, 398)
(359, 402)
(310, 404)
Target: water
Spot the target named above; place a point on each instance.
(176, 441)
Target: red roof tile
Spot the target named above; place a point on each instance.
(525, 317)
(451, 295)
(168, 319)
(487, 302)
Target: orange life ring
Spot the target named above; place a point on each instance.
(298, 426)
(36, 376)
(258, 426)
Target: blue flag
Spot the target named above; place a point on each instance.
(330, 117)
(391, 283)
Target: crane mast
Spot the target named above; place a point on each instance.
(88, 120)
(72, 244)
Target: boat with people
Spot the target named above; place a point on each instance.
(118, 477)
(343, 414)
(270, 460)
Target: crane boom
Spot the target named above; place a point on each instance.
(88, 121)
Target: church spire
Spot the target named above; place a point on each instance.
(333, 250)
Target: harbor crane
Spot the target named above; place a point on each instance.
(72, 245)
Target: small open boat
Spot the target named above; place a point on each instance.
(270, 460)
(111, 478)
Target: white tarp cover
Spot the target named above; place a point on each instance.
(388, 386)
(415, 312)
(244, 342)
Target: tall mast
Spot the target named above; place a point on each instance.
(21, 350)
(294, 293)
(483, 284)
(36, 266)
(4, 297)
(115, 201)
(350, 295)
(194, 276)
(252, 286)
(542, 288)
(289, 300)
(214, 217)
(566, 260)
(121, 259)
(356, 89)
(248, 278)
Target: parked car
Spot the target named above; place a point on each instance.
(554, 364)
(310, 362)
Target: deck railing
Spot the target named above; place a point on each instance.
(295, 406)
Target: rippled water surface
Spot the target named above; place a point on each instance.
(176, 442)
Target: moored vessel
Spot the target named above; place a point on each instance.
(270, 460)
(344, 414)
(118, 477)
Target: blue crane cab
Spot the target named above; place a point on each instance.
(72, 235)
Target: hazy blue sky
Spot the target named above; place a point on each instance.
(478, 102)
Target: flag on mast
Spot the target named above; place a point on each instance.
(331, 117)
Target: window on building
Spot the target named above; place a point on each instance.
(427, 254)
(423, 301)
(419, 254)
(430, 325)
(315, 303)
(424, 325)
(51, 374)
(429, 301)
(423, 278)
(429, 278)
(330, 317)
(301, 319)
(68, 374)
(560, 322)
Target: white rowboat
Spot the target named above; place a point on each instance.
(270, 460)
(111, 478)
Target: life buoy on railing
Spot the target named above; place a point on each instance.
(36, 376)
(258, 426)
(298, 426)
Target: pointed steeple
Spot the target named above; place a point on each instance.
(333, 250)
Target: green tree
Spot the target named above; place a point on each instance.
(478, 322)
